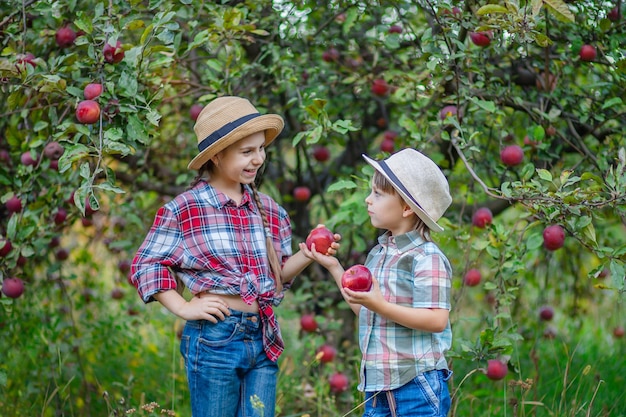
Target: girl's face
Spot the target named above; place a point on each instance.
(389, 211)
(240, 162)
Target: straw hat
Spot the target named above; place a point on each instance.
(420, 183)
(226, 120)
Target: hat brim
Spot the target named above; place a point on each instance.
(432, 224)
(271, 124)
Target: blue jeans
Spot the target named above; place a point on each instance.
(228, 373)
(427, 395)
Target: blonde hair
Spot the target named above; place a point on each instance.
(380, 182)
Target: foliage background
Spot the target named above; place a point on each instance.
(79, 342)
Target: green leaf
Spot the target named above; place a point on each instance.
(544, 174)
(560, 10)
(342, 185)
(490, 9)
(611, 102)
(489, 106)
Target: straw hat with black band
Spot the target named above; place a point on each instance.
(226, 120)
(420, 183)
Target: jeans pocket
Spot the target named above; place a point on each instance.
(218, 334)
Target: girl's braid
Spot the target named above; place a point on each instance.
(271, 251)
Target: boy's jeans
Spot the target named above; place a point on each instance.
(425, 396)
(228, 373)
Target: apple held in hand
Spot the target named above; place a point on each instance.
(357, 278)
(322, 238)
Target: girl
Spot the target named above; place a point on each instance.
(231, 247)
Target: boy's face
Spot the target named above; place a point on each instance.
(389, 211)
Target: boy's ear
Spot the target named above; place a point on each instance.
(407, 211)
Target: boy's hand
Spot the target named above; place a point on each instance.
(371, 299)
(327, 261)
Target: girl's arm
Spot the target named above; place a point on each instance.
(209, 307)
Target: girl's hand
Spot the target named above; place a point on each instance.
(205, 307)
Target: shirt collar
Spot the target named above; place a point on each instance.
(219, 200)
(402, 242)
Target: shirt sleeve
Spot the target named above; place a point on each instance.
(432, 281)
(161, 249)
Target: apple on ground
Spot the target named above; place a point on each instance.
(587, 53)
(338, 382)
(302, 193)
(308, 323)
(481, 39)
(357, 278)
(321, 153)
(322, 238)
(14, 204)
(553, 237)
(496, 369)
(65, 37)
(512, 155)
(92, 91)
(546, 313)
(326, 353)
(472, 277)
(113, 54)
(12, 287)
(195, 110)
(88, 112)
(380, 87)
(482, 217)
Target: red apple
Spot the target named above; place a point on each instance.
(27, 158)
(395, 29)
(23, 59)
(387, 145)
(53, 150)
(195, 110)
(5, 247)
(481, 39)
(12, 287)
(60, 216)
(357, 278)
(546, 313)
(618, 332)
(117, 293)
(123, 265)
(326, 353)
(302, 193)
(92, 90)
(512, 155)
(447, 111)
(88, 112)
(321, 153)
(330, 55)
(496, 369)
(482, 217)
(613, 14)
(390, 135)
(65, 37)
(308, 323)
(587, 53)
(472, 277)
(14, 204)
(322, 238)
(553, 237)
(380, 87)
(62, 254)
(113, 54)
(338, 382)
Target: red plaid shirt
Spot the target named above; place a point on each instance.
(214, 245)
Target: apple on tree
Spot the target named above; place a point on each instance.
(618, 332)
(482, 217)
(330, 55)
(14, 204)
(321, 153)
(546, 313)
(302, 193)
(449, 110)
(472, 277)
(113, 53)
(194, 111)
(482, 39)
(5, 247)
(512, 155)
(88, 112)
(587, 53)
(338, 382)
(380, 87)
(65, 37)
(12, 287)
(553, 237)
(53, 150)
(326, 353)
(27, 159)
(496, 369)
(92, 90)
(308, 323)
(322, 238)
(357, 278)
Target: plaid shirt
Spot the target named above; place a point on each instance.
(214, 245)
(413, 273)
